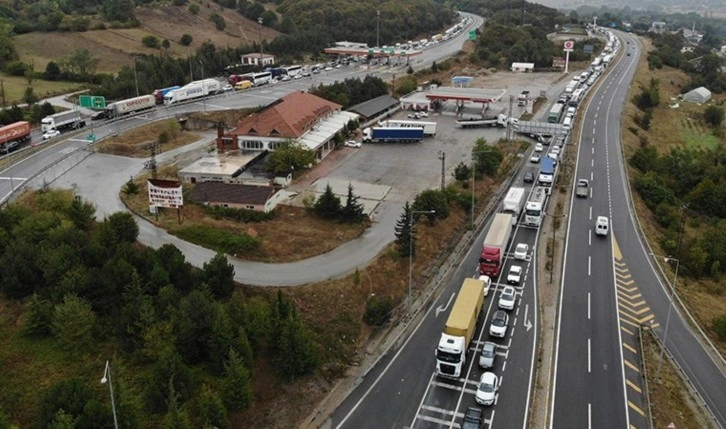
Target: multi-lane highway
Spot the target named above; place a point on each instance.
(610, 290)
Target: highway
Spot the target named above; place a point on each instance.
(610, 289)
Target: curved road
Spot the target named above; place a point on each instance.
(99, 182)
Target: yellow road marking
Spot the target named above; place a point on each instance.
(634, 386)
(616, 249)
(629, 347)
(630, 365)
(630, 308)
(635, 408)
(625, 282)
(646, 318)
(624, 329)
(634, 324)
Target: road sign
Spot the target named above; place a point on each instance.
(91, 137)
(569, 45)
(472, 34)
(92, 101)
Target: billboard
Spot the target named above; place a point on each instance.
(164, 193)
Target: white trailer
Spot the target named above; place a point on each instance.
(428, 127)
(534, 210)
(130, 105)
(69, 119)
(192, 90)
(513, 203)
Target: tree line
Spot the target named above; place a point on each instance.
(182, 342)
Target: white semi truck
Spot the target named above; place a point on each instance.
(70, 119)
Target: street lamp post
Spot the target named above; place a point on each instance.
(378, 28)
(410, 251)
(107, 377)
(136, 79)
(262, 52)
(204, 85)
(668, 316)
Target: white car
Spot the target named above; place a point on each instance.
(286, 78)
(297, 76)
(507, 298)
(498, 327)
(515, 275)
(555, 149)
(488, 355)
(227, 87)
(487, 283)
(487, 390)
(538, 147)
(534, 158)
(352, 143)
(50, 134)
(602, 224)
(520, 252)
(423, 114)
(328, 68)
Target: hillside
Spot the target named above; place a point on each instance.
(117, 46)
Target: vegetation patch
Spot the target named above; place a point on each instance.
(218, 240)
(137, 142)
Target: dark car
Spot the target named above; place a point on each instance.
(9, 147)
(473, 418)
(529, 176)
(98, 116)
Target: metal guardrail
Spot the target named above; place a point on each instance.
(644, 376)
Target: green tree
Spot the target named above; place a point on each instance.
(290, 157)
(218, 274)
(186, 39)
(166, 44)
(294, 354)
(193, 8)
(237, 383)
(210, 409)
(70, 395)
(432, 200)
(328, 205)
(219, 22)
(62, 420)
(714, 115)
(81, 62)
(123, 225)
(151, 41)
(488, 158)
(220, 339)
(81, 213)
(719, 326)
(405, 233)
(119, 10)
(73, 323)
(39, 317)
(176, 414)
(378, 310)
(193, 325)
(353, 210)
(462, 173)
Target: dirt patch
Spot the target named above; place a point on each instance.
(137, 142)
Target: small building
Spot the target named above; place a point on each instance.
(700, 95)
(657, 27)
(250, 197)
(225, 167)
(375, 108)
(523, 67)
(257, 59)
(297, 117)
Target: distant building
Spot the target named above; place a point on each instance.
(351, 45)
(258, 59)
(657, 27)
(700, 95)
(523, 67)
(300, 117)
(259, 198)
(374, 108)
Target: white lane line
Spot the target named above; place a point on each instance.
(589, 237)
(589, 357)
(590, 212)
(589, 265)
(589, 415)
(588, 306)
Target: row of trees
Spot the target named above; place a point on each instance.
(702, 64)
(352, 91)
(185, 340)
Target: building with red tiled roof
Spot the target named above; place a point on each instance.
(300, 117)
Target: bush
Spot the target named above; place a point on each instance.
(719, 325)
(16, 68)
(186, 40)
(240, 215)
(194, 8)
(151, 41)
(218, 240)
(378, 311)
(219, 22)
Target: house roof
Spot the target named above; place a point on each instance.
(257, 55)
(289, 117)
(161, 183)
(215, 192)
(371, 107)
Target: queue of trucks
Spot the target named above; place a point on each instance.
(495, 245)
(534, 209)
(192, 90)
(128, 106)
(70, 119)
(460, 328)
(513, 203)
(12, 135)
(546, 172)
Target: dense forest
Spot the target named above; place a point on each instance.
(182, 343)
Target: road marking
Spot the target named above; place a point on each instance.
(589, 415)
(13, 178)
(446, 386)
(527, 323)
(634, 386)
(589, 265)
(437, 410)
(633, 324)
(589, 357)
(629, 347)
(623, 328)
(590, 212)
(440, 308)
(435, 420)
(616, 249)
(630, 365)
(588, 306)
(635, 408)
(589, 237)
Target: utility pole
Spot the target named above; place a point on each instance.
(262, 52)
(378, 28)
(442, 157)
(2, 90)
(136, 79)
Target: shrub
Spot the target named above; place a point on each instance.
(194, 8)
(186, 39)
(240, 215)
(719, 325)
(151, 41)
(219, 240)
(378, 311)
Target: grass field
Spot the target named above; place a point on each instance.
(14, 87)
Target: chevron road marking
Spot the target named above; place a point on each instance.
(633, 386)
(631, 366)
(629, 347)
(624, 329)
(635, 408)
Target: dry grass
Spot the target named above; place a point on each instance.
(135, 142)
(116, 47)
(670, 402)
(671, 128)
(15, 87)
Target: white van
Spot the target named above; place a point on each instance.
(602, 224)
(567, 123)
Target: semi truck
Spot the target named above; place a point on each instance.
(393, 134)
(534, 209)
(486, 121)
(546, 172)
(459, 329)
(495, 245)
(513, 203)
(429, 128)
(192, 90)
(130, 105)
(15, 133)
(72, 119)
(160, 93)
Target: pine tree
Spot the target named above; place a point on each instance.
(404, 229)
(237, 383)
(353, 210)
(328, 205)
(176, 415)
(295, 352)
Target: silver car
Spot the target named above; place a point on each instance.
(488, 354)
